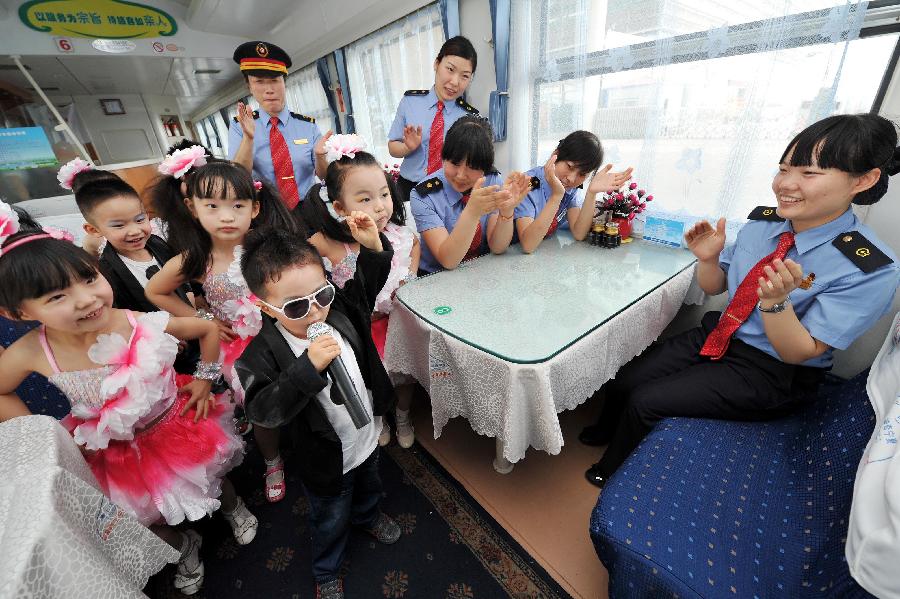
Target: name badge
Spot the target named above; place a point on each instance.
(301, 141)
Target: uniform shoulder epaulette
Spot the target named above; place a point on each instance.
(535, 182)
(765, 213)
(416, 92)
(860, 251)
(303, 117)
(429, 186)
(255, 116)
(466, 106)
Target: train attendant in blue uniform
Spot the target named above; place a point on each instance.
(803, 278)
(423, 116)
(556, 190)
(466, 209)
(277, 145)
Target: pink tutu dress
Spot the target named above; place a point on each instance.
(154, 463)
(231, 302)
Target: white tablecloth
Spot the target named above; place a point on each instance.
(59, 535)
(519, 403)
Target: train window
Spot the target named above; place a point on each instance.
(700, 98)
(384, 64)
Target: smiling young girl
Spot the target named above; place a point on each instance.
(158, 451)
(355, 182)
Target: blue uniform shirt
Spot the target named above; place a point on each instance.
(843, 301)
(442, 208)
(420, 110)
(536, 199)
(301, 137)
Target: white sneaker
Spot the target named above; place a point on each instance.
(406, 434)
(189, 572)
(243, 523)
(385, 437)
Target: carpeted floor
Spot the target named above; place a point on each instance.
(451, 548)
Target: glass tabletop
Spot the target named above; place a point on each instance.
(528, 308)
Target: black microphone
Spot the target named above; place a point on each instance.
(341, 381)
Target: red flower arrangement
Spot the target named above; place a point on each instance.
(625, 203)
(393, 172)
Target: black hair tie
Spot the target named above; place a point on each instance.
(893, 165)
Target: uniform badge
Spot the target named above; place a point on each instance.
(303, 117)
(466, 106)
(535, 182)
(429, 186)
(301, 141)
(860, 251)
(765, 213)
(262, 50)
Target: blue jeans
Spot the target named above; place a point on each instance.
(330, 517)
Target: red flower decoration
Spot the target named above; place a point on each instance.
(625, 202)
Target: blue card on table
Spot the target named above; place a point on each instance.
(664, 231)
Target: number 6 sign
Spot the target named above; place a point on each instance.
(63, 44)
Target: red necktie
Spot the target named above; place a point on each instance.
(553, 224)
(436, 141)
(475, 246)
(743, 302)
(284, 168)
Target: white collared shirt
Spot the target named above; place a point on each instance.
(357, 444)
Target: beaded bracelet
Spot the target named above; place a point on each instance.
(208, 371)
(204, 314)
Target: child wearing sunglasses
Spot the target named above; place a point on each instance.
(283, 374)
(356, 181)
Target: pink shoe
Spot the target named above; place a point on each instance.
(275, 491)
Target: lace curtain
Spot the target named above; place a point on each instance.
(701, 98)
(386, 63)
(306, 96)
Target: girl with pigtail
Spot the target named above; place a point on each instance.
(223, 204)
(355, 182)
(159, 444)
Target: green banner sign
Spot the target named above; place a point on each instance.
(110, 19)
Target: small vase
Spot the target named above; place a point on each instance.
(624, 226)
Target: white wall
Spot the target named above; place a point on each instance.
(884, 219)
(475, 24)
(118, 138)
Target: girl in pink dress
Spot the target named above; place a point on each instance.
(222, 203)
(158, 444)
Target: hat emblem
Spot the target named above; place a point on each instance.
(262, 50)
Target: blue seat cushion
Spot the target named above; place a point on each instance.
(712, 508)
(36, 391)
